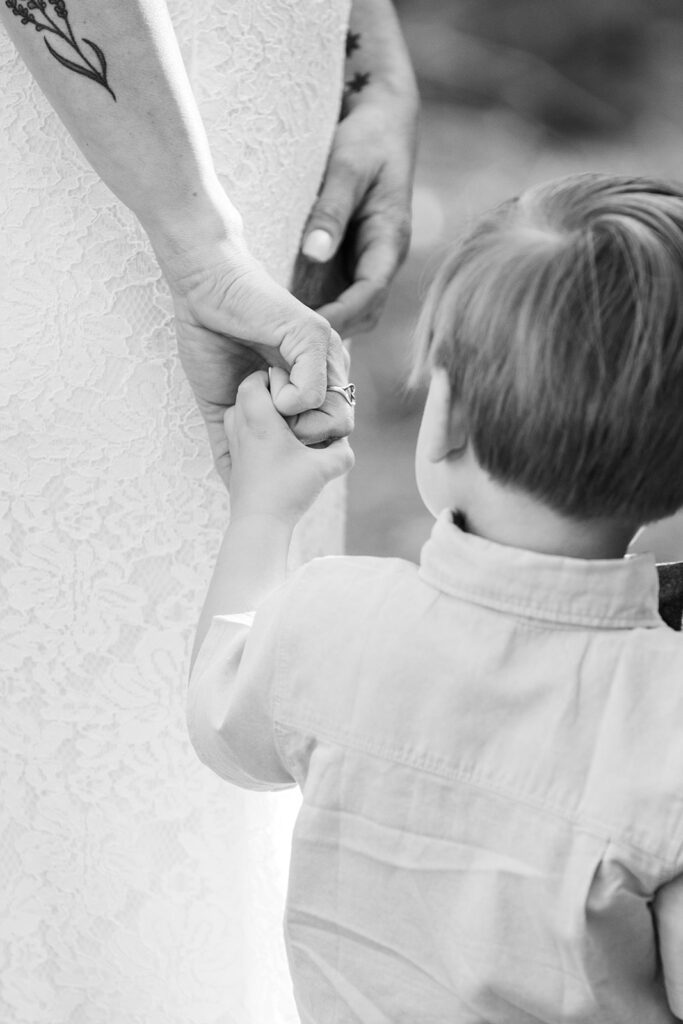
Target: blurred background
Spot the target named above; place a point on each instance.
(514, 92)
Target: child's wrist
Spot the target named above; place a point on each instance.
(264, 523)
(268, 508)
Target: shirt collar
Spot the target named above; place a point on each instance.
(620, 593)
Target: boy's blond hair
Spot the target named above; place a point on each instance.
(559, 318)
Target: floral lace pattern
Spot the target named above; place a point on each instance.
(134, 887)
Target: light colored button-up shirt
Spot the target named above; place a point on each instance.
(490, 752)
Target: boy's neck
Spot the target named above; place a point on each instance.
(517, 520)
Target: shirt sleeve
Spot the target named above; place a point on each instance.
(668, 909)
(230, 699)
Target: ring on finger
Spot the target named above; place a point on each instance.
(347, 391)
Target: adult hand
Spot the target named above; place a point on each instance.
(233, 319)
(364, 204)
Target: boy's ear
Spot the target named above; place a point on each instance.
(448, 433)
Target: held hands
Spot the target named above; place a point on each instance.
(233, 319)
(273, 474)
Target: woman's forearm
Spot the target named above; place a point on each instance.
(115, 76)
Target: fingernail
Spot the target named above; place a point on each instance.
(318, 245)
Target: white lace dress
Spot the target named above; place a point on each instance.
(135, 888)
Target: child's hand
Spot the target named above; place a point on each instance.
(272, 472)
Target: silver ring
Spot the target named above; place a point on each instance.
(348, 392)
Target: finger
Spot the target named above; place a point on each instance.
(254, 403)
(265, 317)
(305, 349)
(358, 309)
(338, 362)
(339, 412)
(335, 417)
(279, 379)
(342, 189)
(360, 306)
(382, 243)
(336, 459)
(333, 421)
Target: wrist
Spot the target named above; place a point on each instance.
(392, 94)
(275, 524)
(256, 551)
(200, 216)
(378, 63)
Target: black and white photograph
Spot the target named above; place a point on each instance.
(341, 512)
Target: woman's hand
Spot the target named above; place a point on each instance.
(364, 204)
(232, 319)
(274, 475)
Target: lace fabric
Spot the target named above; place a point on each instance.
(134, 887)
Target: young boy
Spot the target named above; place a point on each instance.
(490, 745)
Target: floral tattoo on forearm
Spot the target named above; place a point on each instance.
(51, 16)
(359, 79)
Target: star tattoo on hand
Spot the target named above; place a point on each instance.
(359, 81)
(352, 42)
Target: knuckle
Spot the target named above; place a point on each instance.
(318, 336)
(373, 314)
(248, 384)
(369, 317)
(344, 422)
(314, 394)
(329, 213)
(311, 393)
(336, 346)
(396, 229)
(397, 216)
(365, 325)
(321, 333)
(343, 161)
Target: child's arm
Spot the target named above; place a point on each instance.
(274, 479)
(668, 909)
(251, 563)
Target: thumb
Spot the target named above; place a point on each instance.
(332, 211)
(335, 459)
(306, 352)
(276, 319)
(255, 404)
